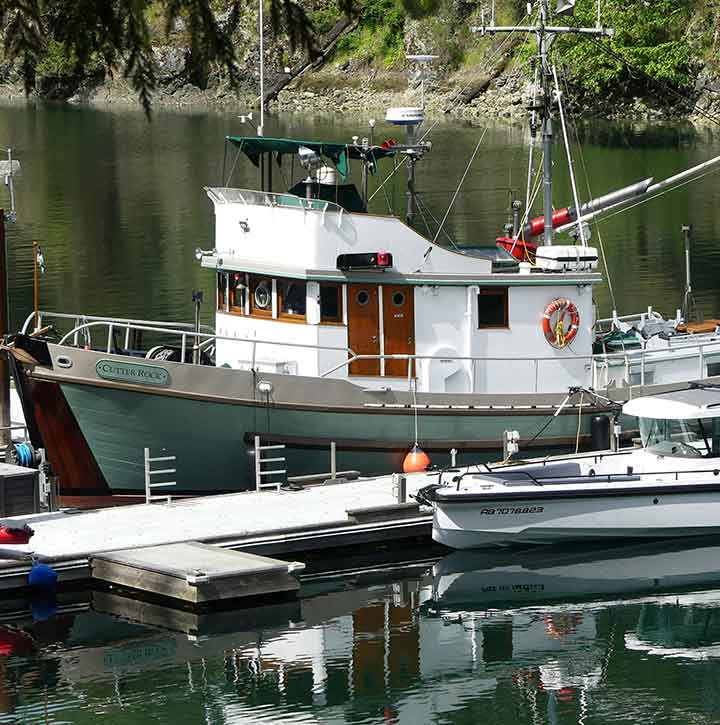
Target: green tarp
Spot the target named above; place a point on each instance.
(253, 146)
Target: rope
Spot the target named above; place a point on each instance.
(577, 435)
(457, 191)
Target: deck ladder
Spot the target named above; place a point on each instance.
(149, 473)
(261, 475)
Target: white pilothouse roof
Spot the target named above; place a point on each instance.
(700, 402)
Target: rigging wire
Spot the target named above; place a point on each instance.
(456, 101)
(601, 243)
(457, 191)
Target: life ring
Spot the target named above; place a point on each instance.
(556, 333)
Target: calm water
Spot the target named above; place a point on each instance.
(593, 636)
(119, 209)
(584, 637)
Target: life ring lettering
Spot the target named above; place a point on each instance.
(559, 312)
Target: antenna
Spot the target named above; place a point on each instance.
(422, 60)
(546, 34)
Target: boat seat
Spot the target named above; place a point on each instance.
(561, 469)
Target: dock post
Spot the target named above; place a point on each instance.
(258, 478)
(453, 457)
(333, 460)
(400, 487)
(147, 474)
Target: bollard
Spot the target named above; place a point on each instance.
(333, 460)
(400, 487)
(453, 457)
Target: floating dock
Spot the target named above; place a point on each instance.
(196, 573)
(269, 523)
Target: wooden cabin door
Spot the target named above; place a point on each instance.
(398, 327)
(363, 311)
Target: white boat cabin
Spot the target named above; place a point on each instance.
(309, 283)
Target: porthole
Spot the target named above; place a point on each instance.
(263, 295)
(398, 299)
(363, 297)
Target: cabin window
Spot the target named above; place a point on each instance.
(331, 311)
(261, 296)
(222, 280)
(292, 294)
(237, 292)
(493, 308)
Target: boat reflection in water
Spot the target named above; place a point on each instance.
(620, 634)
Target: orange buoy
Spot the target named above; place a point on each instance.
(416, 460)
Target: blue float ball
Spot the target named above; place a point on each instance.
(42, 577)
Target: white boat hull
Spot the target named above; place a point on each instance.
(546, 520)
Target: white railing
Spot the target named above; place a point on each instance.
(251, 197)
(599, 367)
(202, 340)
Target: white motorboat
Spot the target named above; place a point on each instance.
(667, 487)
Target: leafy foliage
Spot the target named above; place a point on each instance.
(119, 32)
(650, 41)
(380, 31)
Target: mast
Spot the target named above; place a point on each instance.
(543, 40)
(545, 34)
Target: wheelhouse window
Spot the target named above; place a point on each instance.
(493, 308)
(261, 296)
(237, 292)
(292, 299)
(331, 311)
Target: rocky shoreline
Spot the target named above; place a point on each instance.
(504, 99)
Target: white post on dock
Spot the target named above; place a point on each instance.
(333, 460)
(147, 474)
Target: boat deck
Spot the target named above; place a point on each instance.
(267, 522)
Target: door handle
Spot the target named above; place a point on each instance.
(374, 338)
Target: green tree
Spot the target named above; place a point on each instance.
(118, 33)
(650, 35)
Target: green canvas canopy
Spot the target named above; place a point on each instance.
(253, 146)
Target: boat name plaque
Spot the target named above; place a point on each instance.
(132, 372)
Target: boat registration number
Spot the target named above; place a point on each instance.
(512, 510)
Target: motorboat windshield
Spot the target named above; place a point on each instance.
(682, 438)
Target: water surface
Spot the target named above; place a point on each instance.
(118, 203)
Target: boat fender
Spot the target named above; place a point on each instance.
(553, 324)
(416, 460)
(42, 577)
(21, 454)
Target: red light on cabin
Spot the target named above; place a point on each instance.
(366, 260)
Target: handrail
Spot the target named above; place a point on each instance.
(230, 195)
(627, 357)
(599, 366)
(185, 334)
(100, 318)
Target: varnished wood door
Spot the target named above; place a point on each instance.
(363, 310)
(398, 327)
